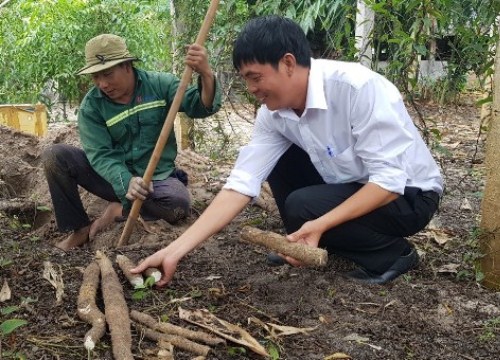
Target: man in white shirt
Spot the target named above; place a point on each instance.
(347, 167)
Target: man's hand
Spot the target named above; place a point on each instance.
(160, 260)
(309, 234)
(197, 59)
(138, 189)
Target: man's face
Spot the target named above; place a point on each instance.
(267, 84)
(115, 82)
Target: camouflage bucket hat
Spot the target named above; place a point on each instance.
(103, 52)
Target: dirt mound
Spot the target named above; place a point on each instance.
(25, 190)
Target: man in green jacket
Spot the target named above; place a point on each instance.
(119, 122)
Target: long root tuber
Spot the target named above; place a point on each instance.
(307, 255)
(87, 309)
(150, 322)
(116, 310)
(175, 340)
(126, 265)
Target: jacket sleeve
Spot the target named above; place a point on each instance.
(106, 159)
(191, 102)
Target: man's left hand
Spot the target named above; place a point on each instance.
(197, 59)
(309, 234)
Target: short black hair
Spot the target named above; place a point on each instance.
(267, 39)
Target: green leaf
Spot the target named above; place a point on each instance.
(149, 282)
(43, 208)
(273, 351)
(479, 276)
(9, 310)
(233, 350)
(139, 295)
(486, 100)
(10, 325)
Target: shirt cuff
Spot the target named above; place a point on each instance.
(244, 183)
(389, 178)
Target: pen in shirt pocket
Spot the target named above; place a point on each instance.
(330, 151)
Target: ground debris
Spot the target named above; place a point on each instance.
(222, 328)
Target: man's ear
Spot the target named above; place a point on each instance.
(289, 62)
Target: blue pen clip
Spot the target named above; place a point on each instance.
(330, 151)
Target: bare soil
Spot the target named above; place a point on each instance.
(437, 311)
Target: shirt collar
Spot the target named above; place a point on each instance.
(315, 88)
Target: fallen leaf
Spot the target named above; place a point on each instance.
(338, 356)
(5, 293)
(279, 330)
(449, 268)
(213, 277)
(361, 340)
(222, 328)
(466, 205)
(454, 145)
(55, 279)
(276, 331)
(355, 337)
(439, 236)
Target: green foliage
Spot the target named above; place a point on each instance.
(405, 29)
(44, 40)
(273, 350)
(472, 257)
(8, 326)
(490, 328)
(142, 291)
(9, 310)
(4, 262)
(328, 24)
(236, 350)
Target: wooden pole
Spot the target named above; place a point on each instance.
(307, 255)
(167, 126)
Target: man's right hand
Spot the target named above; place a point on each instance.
(160, 260)
(138, 189)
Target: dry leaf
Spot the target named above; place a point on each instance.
(361, 340)
(449, 268)
(5, 293)
(355, 337)
(439, 236)
(278, 330)
(466, 205)
(213, 277)
(275, 331)
(338, 356)
(222, 328)
(166, 351)
(55, 279)
(454, 145)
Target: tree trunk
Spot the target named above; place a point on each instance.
(365, 19)
(183, 126)
(490, 207)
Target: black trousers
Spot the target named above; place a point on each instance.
(67, 167)
(373, 241)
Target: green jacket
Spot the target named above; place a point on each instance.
(119, 139)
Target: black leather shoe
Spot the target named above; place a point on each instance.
(274, 259)
(402, 265)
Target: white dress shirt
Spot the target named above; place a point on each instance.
(355, 128)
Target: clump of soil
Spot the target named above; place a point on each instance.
(436, 311)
